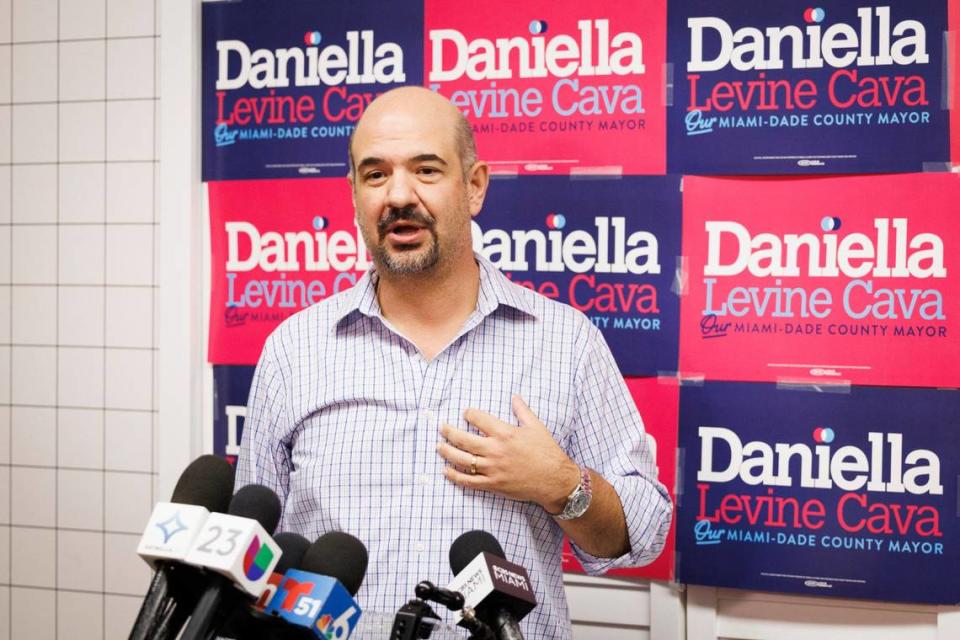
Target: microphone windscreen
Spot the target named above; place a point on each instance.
(469, 545)
(259, 503)
(206, 482)
(293, 546)
(338, 555)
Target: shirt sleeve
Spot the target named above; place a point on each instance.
(265, 454)
(609, 438)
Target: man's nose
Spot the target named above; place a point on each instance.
(402, 191)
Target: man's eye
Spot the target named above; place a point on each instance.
(428, 170)
(375, 175)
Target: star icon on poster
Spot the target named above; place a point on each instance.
(171, 527)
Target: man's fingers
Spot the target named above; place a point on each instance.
(464, 440)
(465, 479)
(456, 456)
(487, 424)
(524, 414)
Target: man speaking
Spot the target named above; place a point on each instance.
(436, 397)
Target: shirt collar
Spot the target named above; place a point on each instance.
(495, 290)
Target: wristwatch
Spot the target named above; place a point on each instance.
(579, 499)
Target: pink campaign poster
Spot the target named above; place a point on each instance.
(555, 88)
(823, 280)
(658, 400)
(953, 81)
(277, 246)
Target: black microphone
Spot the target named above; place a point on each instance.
(206, 483)
(496, 589)
(253, 623)
(237, 558)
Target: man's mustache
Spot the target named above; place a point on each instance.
(406, 214)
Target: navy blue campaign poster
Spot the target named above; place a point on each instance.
(231, 386)
(786, 87)
(607, 246)
(843, 494)
(285, 83)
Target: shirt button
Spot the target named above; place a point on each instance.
(428, 415)
(420, 547)
(423, 479)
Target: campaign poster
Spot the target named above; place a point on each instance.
(555, 88)
(849, 280)
(276, 246)
(283, 89)
(657, 401)
(231, 387)
(608, 247)
(790, 87)
(953, 81)
(850, 494)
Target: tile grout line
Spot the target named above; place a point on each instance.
(56, 383)
(103, 414)
(10, 356)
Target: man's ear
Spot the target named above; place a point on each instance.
(478, 179)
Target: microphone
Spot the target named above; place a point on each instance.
(292, 547)
(498, 590)
(252, 623)
(204, 486)
(319, 595)
(239, 555)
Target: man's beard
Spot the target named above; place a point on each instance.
(406, 261)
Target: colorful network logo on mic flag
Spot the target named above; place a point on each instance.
(257, 559)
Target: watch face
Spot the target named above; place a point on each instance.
(578, 504)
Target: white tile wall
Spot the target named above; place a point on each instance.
(80, 560)
(130, 254)
(129, 130)
(124, 571)
(33, 562)
(82, 73)
(127, 501)
(5, 431)
(129, 440)
(35, 136)
(130, 18)
(34, 251)
(82, 19)
(6, 190)
(30, 614)
(126, 325)
(33, 497)
(122, 613)
(34, 315)
(80, 615)
(129, 66)
(78, 227)
(129, 379)
(81, 131)
(81, 312)
(34, 375)
(82, 191)
(33, 436)
(5, 79)
(33, 201)
(80, 434)
(81, 254)
(34, 20)
(34, 75)
(130, 192)
(80, 377)
(80, 499)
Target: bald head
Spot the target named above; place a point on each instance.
(429, 106)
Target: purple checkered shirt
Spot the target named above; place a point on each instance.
(343, 423)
